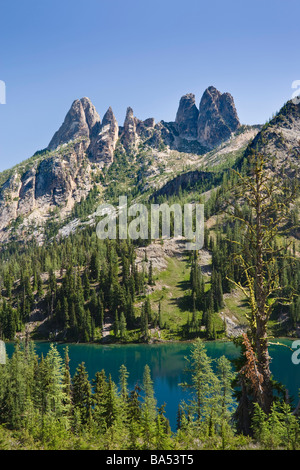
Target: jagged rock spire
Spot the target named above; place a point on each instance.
(79, 122)
(104, 143)
(217, 117)
(187, 116)
(129, 134)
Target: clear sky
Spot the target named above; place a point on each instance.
(138, 53)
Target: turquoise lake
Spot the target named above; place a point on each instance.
(167, 363)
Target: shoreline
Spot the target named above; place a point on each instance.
(137, 343)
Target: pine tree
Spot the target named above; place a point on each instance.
(204, 386)
(112, 404)
(57, 399)
(86, 285)
(67, 381)
(227, 404)
(160, 322)
(100, 394)
(145, 320)
(124, 384)
(148, 409)
(16, 394)
(95, 266)
(82, 393)
(116, 324)
(150, 274)
(123, 326)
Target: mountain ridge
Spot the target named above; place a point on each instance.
(80, 153)
(85, 146)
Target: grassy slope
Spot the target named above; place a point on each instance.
(172, 290)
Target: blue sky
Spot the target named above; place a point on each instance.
(143, 54)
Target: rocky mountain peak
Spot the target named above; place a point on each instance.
(60, 179)
(103, 143)
(109, 116)
(79, 123)
(129, 114)
(217, 118)
(280, 138)
(187, 116)
(194, 130)
(129, 134)
(91, 115)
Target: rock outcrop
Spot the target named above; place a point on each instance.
(103, 143)
(56, 179)
(217, 118)
(187, 117)
(80, 122)
(67, 169)
(194, 130)
(9, 196)
(279, 141)
(129, 135)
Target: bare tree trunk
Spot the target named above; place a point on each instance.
(261, 341)
(263, 358)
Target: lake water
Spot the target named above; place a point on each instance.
(167, 363)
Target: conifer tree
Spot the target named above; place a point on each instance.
(204, 386)
(99, 397)
(82, 393)
(123, 325)
(67, 381)
(148, 409)
(113, 408)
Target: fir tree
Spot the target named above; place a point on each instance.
(82, 393)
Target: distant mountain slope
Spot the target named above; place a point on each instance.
(280, 139)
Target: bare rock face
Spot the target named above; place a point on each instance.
(79, 122)
(187, 117)
(52, 181)
(27, 192)
(145, 128)
(103, 144)
(9, 194)
(82, 123)
(135, 131)
(91, 115)
(228, 111)
(129, 135)
(217, 118)
(279, 141)
(56, 179)
(162, 134)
